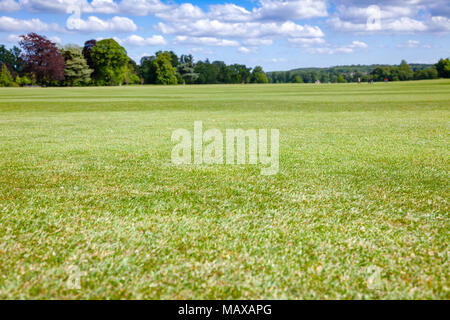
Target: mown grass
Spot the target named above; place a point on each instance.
(359, 208)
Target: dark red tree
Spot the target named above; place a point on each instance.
(42, 57)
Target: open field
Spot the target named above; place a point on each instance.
(359, 208)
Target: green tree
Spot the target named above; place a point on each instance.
(11, 58)
(23, 81)
(77, 70)
(165, 73)
(443, 68)
(297, 79)
(340, 79)
(6, 79)
(405, 71)
(258, 75)
(186, 69)
(110, 61)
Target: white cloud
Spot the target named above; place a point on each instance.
(133, 7)
(9, 5)
(206, 27)
(207, 41)
(142, 7)
(406, 25)
(259, 42)
(338, 49)
(402, 25)
(412, 44)
(186, 11)
(138, 41)
(229, 12)
(247, 50)
(95, 24)
(12, 38)
(440, 24)
(306, 42)
(8, 24)
(282, 10)
(55, 39)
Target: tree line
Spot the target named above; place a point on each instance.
(344, 74)
(38, 61)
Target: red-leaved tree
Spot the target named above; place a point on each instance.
(42, 58)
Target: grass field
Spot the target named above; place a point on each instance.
(359, 208)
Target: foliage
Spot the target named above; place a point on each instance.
(258, 75)
(23, 81)
(77, 70)
(6, 79)
(110, 61)
(11, 58)
(186, 69)
(42, 58)
(165, 73)
(443, 68)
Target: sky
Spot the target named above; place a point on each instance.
(275, 34)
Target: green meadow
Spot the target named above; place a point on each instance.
(91, 206)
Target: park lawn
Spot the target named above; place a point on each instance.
(358, 210)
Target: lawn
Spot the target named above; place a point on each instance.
(92, 207)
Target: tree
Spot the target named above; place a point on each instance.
(23, 81)
(6, 79)
(11, 58)
(258, 75)
(187, 70)
(110, 61)
(77, 70)
(298, 79)
(42, 58)
(405, 71)
(88, 45)
(147, 70)
(340, 79)
(443, 68)
(165, 73)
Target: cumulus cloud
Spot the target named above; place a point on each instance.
(402, 25)
(246, 50)
(133, 7)
(9, 24)
(306, 42)
(9, 5)
(338, 49)
(12, 38)
(259, 42)
(206, 27)
(207, 41)
(95, 24)
(138, 41)
(281, 10)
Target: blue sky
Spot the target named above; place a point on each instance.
(276, 34)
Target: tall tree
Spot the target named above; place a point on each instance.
(11, 58)
(77, 70)
(165, 73)
(88, 45)
(110, 62)
(186, 69)
(6, 79)
(258, 75)
(42, 58)
(443, 68)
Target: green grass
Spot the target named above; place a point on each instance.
(359, 208)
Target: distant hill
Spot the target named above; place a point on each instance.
(355, 73)
(365, 69)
